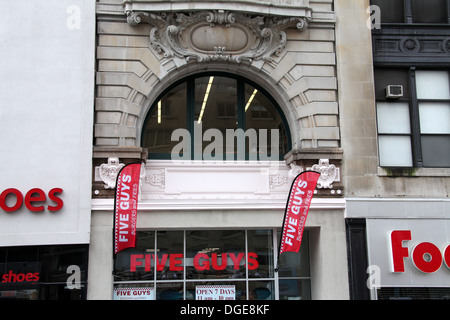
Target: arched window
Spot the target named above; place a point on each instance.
(215, 116)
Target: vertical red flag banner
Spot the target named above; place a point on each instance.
(297, 207)
(125, 207)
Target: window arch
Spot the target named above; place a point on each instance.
(215, 116)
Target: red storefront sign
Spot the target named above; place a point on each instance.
(35, 200)
(12, 277)
(426, 256)
(19, 275)
(201, 261)
(302, 191)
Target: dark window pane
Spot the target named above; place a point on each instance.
(392, 11)
(169, 291)
(132, 264)
(260, 246)
(166, 116)
(294, 289)
(399, 293)
(261, 290)
(170, 253)
(386, 77)
(295, 264)
(436, 151)
(260, 115)
(215, 108)
(429, 11)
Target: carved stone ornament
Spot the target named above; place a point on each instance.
(217, 35)
(328, 174)
(410, 45)
(156, 177)
(109, 171)
(295, 171)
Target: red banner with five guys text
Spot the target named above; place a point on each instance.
(297, 208)
(125, 207)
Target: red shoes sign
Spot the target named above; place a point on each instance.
(426, 256)
(35, 200)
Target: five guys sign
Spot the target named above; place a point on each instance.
(297, 208)
(125, 206)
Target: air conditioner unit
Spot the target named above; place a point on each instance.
(394, 91)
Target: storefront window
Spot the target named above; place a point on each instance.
(413, 293)
(215, 254)
(294, 274)
(43, 272)
(210, 264)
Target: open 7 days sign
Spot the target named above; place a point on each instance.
(215, 293)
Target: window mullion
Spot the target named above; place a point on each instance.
(190, 92)
(415, 121)
(448, 11)
(241, 115)
(184, 264)
(408, 11)
(241, 104)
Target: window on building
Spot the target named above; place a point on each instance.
(413, 293)
(392, 11)
(414, 128)
(215, 117)
(413, 11)
(43, 272)
(211, 264)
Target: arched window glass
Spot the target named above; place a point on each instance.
(215, 117)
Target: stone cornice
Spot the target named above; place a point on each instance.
(296, 8)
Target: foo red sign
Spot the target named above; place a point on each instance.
(35, 200)
(426, 256)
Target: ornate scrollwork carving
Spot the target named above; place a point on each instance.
(220, 17)
(177, 34)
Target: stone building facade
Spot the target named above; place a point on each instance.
(285, 50)
(396, 148)
(224, 103)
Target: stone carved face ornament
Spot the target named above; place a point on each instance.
(109, 171)
(217, 35)
(328, 173)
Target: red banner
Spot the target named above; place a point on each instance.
(297, 208)
(125, 208)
